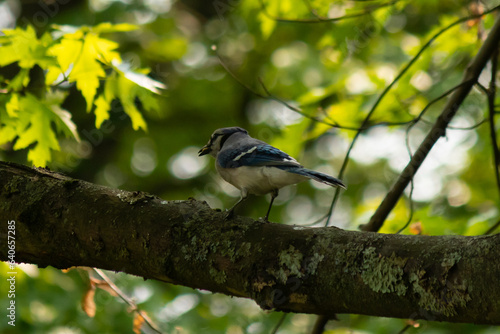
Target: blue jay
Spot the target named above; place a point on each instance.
(255, 167)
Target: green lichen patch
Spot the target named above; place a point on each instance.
(244, 250)
(450, 260)
(383, 274)
(219, 276)
(435, 294)
(313, 262)
(293, 264)
(347, 258)
(292, 259)
(124, 253)
(290, 263)
(437, 298)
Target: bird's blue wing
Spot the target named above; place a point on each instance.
(255, 155)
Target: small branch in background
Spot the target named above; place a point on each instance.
(319, 325)
(439, 128)
(279, 323)
(133, 306)
(408, 148)
(491, 106)
(384, 93)
(472, 127)
(493, 228)
(319, 19)
(410, 197)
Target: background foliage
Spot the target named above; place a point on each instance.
(75, 96)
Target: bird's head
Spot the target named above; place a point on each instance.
(218, 139)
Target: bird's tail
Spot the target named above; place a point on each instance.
(317, 176)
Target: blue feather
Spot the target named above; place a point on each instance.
(312, 174)
(255, 155)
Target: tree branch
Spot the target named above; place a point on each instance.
(439, 129)
(65, 222)
(491, 93)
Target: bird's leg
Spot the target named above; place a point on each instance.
(274, 194)
(244, 196)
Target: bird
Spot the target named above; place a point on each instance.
(255, 167)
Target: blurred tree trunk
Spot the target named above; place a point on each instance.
(65, 222)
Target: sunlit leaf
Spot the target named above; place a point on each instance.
(139, 78)
(62, 118)
(168, 49)
(107, 27)
(8, 130)
(64, 122)
(30, 120)
(20, 81)
(22, 46)
(39, 131)
(86, 63)
(101, 111)
(267, 25)
(478, 228)
(346, 112)
(12, 106)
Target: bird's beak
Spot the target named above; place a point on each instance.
(204, 150)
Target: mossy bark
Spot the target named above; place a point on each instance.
(65, 222)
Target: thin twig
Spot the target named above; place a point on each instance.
(465, 128)
(493, 228)
(279, 323)
(269, 95)
(128, 300)
(410, 197)
(404, 329)
(319, 325)
(408, 148)
(319, 19)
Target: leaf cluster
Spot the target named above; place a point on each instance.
(32, 116)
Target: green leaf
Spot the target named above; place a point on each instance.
(30, 120)
(267, 25)
(23, 46)
(167, 49)
(101, 111)
(8, 120)
(39, 131)
(61, 117)
(67, 52)
(20, 81)
(86, 53)
(118, 86)
(12, 106)
(127, 93)
(107, 27)
(139, 78)
(148, 99)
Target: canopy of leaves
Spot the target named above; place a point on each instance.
(81, 82)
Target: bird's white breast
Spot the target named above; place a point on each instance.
(258, 180)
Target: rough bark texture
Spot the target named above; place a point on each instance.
(65, 222)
